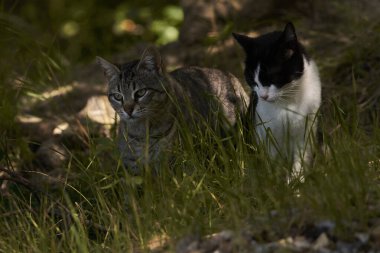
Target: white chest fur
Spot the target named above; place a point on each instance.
(286, 123)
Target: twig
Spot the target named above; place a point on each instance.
(19, 181)
(17, 178)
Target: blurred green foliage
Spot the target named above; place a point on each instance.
(82, 29)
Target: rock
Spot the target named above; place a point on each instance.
(301, 243)
(321, 242)
(225, 235)
(286, 242)
(362, 237)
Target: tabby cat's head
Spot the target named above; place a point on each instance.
(137, 89)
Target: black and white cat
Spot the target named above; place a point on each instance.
(288, 94)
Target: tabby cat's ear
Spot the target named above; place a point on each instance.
(244, 41)
(151, 61)
(109, 69)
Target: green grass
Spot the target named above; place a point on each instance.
(214, 184)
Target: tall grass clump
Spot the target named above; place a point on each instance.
(26, 67)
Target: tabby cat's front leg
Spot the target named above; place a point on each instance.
(132, 155)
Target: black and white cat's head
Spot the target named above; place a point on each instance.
(136, 89)
(274, 62)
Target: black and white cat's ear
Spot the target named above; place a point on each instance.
(244, 41)
(151, 61)
(289, 41)
(109, 69)
(289, 33)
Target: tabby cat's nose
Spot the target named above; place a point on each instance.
(128, 108)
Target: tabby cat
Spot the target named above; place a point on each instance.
(149, 102)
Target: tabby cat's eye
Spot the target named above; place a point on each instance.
(140, 93)
(117, 96)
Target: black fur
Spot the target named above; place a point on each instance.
(280, 56)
